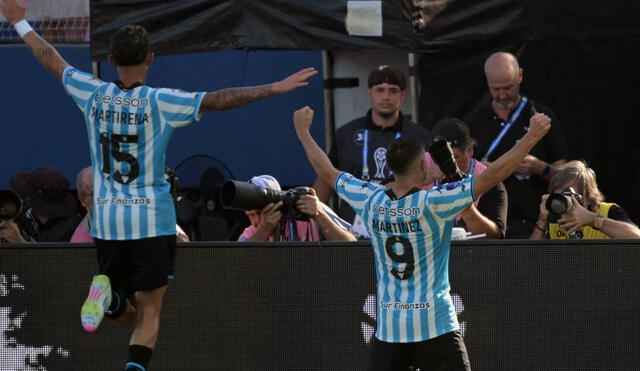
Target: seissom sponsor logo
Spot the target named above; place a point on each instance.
(395, 211)
(122, 101)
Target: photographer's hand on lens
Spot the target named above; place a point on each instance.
(269, 218)
(10, 232)
(543, 214)
(309, 204)
(576, 218)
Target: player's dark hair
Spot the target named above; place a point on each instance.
(402, 153)
(129, 45)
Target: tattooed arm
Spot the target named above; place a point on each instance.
(236, 97)
(46, 54)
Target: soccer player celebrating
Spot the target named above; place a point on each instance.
(129, 125)
(410, 233)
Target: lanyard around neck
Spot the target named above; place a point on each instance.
(506, 128)
(365, 154)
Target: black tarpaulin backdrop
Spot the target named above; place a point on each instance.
(579, 57)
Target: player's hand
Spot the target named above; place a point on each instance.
(539, 125)
(302, 119)
(14, 11)
(297, 80)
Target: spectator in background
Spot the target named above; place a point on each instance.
(587, 216)
(268, 224)
(488, 214)
(368, 137)
(54, 207)
(502, 122)
(84, 189)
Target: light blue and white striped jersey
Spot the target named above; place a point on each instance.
(129, 131)
(411, 239)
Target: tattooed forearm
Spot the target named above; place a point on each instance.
(235, 97)
(45, 54)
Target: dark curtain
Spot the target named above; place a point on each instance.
(579, 57)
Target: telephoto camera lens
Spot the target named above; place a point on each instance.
(248, 196)
(559, 203)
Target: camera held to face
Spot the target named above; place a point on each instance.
(247, 196)
(10, 205)
(559, 203)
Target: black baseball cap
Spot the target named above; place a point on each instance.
(386, 74)
(453, 131)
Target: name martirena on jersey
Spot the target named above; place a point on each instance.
(118, 117)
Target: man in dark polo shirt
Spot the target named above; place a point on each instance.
(488, 214)
(368, 137)
(499, 124)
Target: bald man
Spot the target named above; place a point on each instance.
(499, 123)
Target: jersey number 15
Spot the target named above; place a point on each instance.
(111, 148)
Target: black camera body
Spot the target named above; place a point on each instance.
(247, 196)
(442, 155)
(559, 203)
(13, 208)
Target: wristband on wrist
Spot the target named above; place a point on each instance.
(544, 230)
(598, 222)
(22, 28)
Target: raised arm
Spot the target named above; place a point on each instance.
(319, 160)
(501, 168)
(45, 53)
(236, 97)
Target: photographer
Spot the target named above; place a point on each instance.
(577, 210)
(266, 223)
(488, 214)
(16, 222)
